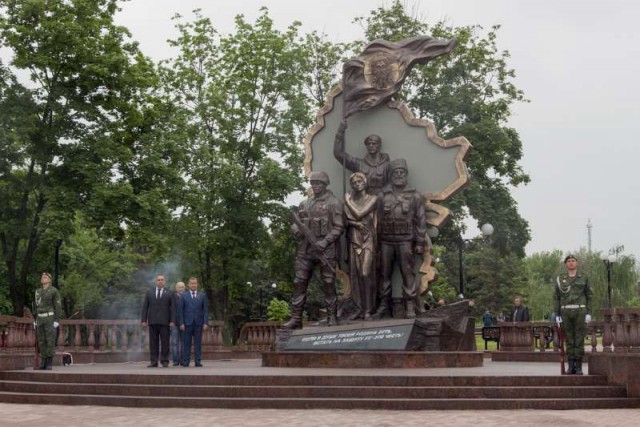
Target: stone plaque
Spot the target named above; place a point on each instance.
(383, 337)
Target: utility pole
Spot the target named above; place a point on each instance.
(589, 227)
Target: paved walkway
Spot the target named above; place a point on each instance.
(68, 416)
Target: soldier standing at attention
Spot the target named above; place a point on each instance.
(573, 304)
(48, 311)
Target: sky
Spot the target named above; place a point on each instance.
(577, 61)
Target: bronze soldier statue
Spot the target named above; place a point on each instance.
(374, 165)
(403, 234)
(319, 225)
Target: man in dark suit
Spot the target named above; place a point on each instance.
(194, 318)
(519, 313)
(159, 313)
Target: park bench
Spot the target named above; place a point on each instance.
(491, 333)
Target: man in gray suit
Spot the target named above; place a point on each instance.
(159, 313)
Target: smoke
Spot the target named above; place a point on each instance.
(126, 302)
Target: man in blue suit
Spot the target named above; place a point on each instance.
(194, 318)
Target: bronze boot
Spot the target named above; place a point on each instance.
(410, 311)
(296, 320)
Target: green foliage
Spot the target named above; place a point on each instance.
(74, 136)
(278, 310)
(543, 268)
(492, 280)
(98, 278)
(244, 109)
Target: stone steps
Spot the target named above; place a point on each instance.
(404, 392)
(320, 403)
(365, 380)
(313, 392)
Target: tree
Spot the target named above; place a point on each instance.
(492, 279)
(470, 93)
(245, 111)
(98, 272)
(542, 269)
(78, 135)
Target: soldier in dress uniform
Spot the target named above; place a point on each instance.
(322, 215)
(403, 233)
(573, 305)
(48, 311)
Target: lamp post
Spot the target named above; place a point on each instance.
(260, 297)
(487, 230)
(608, 264)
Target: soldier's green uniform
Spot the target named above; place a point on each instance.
(49, 310)
(573, 303)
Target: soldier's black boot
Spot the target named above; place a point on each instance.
(43, 363)
(49, 364)
(578, 366)
(570, 367)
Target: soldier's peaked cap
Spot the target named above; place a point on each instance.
(319, 176)
(398, 164)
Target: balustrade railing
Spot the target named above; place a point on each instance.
(18, 334)
(257, 336)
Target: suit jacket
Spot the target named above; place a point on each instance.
(521, 316)
(194, 310)
(158, 311)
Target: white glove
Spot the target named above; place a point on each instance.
(56, 324)
(587, 318)
(35, 324)
(558, 320)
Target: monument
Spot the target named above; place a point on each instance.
(391, 187)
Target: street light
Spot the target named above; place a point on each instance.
(487, 230)
(608, 264)
(261, 300)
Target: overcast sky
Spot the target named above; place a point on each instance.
(578, 62)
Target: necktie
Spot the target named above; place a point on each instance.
(193, 295)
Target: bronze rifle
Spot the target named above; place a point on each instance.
(310, 239)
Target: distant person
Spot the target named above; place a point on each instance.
(159, 313)
(501, 317)
(573, 305)
(48, 313)
(194, 318)
(177, 342)
(487, 319)
(519, 313)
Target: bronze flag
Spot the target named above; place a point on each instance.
(379, 71)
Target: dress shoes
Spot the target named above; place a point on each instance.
(198, 365)
(152, 365)
(165, 364)
(176, 364)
